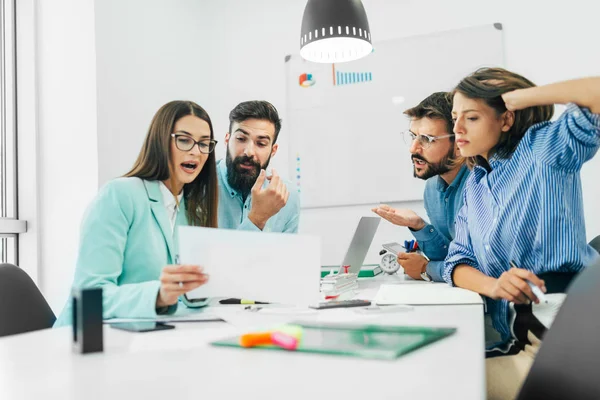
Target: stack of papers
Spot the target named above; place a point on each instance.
(333, 285)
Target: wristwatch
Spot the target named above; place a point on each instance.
(425, 276)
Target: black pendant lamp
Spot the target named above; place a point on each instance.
(334, 31)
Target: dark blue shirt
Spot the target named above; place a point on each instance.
(442, 203)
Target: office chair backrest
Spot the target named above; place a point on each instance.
(595, 243)
(22, 305)
(568, 361)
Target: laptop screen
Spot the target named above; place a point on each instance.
(360, 244)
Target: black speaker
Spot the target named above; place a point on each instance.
(87, 320)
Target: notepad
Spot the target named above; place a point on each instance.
(425, 294)
(365, 341)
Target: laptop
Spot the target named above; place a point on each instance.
(360, 244)
(566, 366)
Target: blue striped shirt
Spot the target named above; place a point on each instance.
(529, 208)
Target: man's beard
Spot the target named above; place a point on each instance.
(241, 179)
(432, 169)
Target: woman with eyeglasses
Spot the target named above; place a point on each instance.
(522, 222)
(129, 233)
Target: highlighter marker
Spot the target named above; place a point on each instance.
(255, 339)
(284, 341)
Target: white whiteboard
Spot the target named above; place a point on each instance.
(345, 129)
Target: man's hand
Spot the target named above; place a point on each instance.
(268, 201)
(403, 217)
(413, 263)
(512, 286)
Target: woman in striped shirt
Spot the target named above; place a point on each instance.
(523, 203)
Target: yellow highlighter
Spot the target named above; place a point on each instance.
(240, 301)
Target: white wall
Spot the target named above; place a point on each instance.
(217, 53)
(67, 162)
(221, 52)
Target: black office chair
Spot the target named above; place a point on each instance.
(22, 305)
(595, 243)
(568, 361)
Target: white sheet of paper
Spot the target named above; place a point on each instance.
(546, 312)
(425, 294)
(260, 266)
(253, 320)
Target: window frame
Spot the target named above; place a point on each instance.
(10, 225)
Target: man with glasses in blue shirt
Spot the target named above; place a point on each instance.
(436, 159)
(249, 198)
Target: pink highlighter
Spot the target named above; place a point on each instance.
(284, 340)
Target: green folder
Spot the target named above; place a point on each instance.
(365, 341)
(367, 270)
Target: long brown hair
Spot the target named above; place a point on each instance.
(489, 84)
(201, 195)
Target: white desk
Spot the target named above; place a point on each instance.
(180, 364)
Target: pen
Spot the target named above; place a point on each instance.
(177, 263)
(240, 301)
(536, 290)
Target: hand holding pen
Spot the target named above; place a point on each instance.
(518, 286)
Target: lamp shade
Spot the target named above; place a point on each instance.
(334, 31)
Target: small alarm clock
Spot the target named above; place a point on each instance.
(389, 263)
(389, 260)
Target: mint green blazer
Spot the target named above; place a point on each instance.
(125, 242)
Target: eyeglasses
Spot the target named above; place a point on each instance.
(186, 143)
(424, 140)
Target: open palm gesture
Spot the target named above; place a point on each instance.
(400, 217)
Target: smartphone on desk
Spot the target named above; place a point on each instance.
(394, 248)
(142, 326)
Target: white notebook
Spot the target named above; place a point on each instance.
(425, 294)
